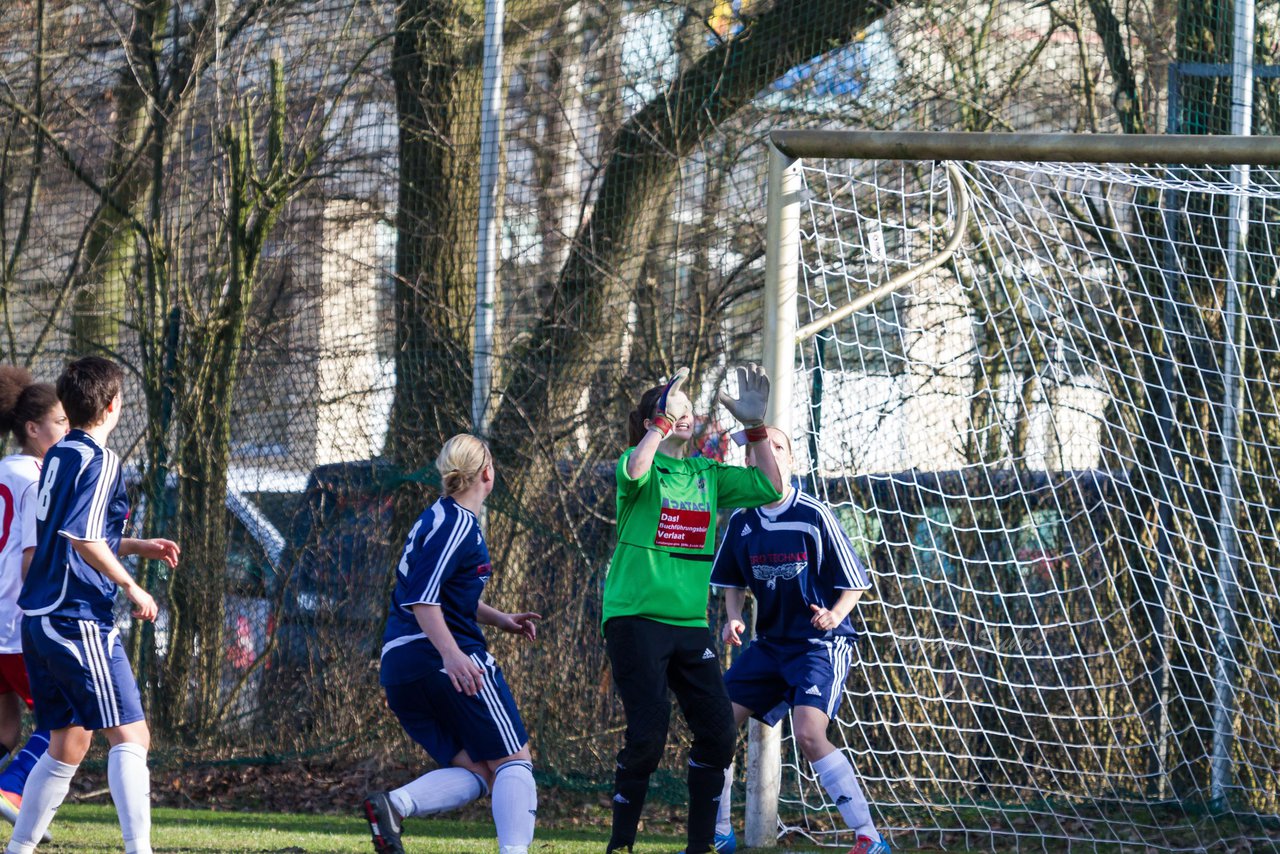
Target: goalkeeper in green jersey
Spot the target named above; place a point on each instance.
(655, 595)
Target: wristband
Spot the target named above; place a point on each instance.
(758, 433)
(662, 425)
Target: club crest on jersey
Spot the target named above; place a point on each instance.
(772, 573)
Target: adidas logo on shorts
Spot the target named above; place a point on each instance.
(706, 653)
(813, 691)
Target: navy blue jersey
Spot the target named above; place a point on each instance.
(81, 497)
(446, 563)
(789, 557)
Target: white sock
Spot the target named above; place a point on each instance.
(46, 787)
(130, 783)
(835, 773)
(515, 806)
(437, 791)
(724, 825)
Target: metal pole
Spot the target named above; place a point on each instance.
(1066, 147)
(782, 261)
(491, 110)
(1233, 324)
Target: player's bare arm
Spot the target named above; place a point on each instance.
(466, 675)
(155, 548)
(734, 600)
(524, 623)
(98, 555)
(826, 619)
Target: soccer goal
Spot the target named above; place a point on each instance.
(1036, 375)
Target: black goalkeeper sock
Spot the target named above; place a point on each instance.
(629, 792)
(705, 786)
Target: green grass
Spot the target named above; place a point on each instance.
(92, 828)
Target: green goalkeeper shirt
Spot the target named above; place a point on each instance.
(667, 535)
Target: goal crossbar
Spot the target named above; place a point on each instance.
(1062, 147)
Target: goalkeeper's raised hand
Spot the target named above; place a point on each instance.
(659, 423)
(752, 401)
(671, 405)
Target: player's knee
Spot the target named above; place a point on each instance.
(714, 748)
(643, 753)
(517, 767)
(132, 733)
(812, 742)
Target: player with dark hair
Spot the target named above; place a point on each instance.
(655, 596)
(441, 682)
(798, 563)
(31, 413)
(80, 676)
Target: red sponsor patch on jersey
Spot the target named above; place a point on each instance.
(682, 529)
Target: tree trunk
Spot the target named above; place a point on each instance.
(438, 99)
(98, 305)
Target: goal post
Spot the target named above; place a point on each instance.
(1049, 419)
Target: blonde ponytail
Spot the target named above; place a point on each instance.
(461, 461)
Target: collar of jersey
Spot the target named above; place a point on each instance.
(787, 504)
(80, 436)
(455, 503)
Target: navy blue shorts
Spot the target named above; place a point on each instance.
(79, 674)
(771, 676)
(444, 720)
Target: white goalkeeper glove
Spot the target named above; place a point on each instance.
(671, 407)
(752, 402)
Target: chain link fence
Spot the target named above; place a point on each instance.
(267, 210)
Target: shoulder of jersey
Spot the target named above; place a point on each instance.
(816, 507)
(454, 515)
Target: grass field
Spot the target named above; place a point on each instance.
(92, 828)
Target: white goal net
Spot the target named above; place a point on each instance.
(1059, 455)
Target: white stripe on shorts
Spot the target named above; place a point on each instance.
(841, 654)
(101, 670)
(497, 710)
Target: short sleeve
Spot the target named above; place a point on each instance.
(838, 556)
(743, 487)
(91, 494)
(435, 558)
(627, 485)
(727, 569)
(27, 512)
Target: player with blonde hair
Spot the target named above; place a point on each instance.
(440, 680)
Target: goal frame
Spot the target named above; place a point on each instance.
(788, 149)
